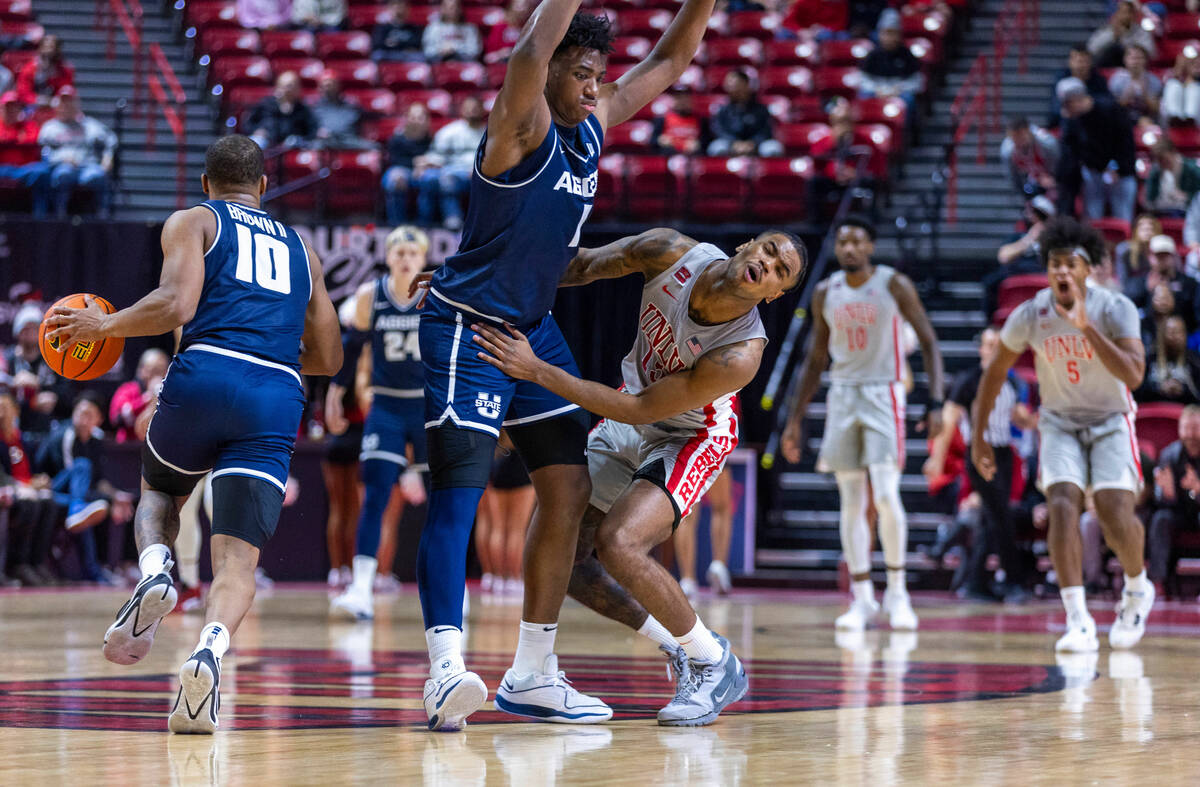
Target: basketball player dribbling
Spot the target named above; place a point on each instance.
(251, 298)
(665, 435)
(387, 316)
(531, 191)
(1089, 355)
(858, 314)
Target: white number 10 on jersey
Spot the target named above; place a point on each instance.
(263, 260)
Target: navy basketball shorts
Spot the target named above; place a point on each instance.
(229, 413)
(392, 425)
(471, 393)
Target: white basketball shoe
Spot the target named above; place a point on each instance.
(702, 691)
(858, 616)
(450, 700)
(199, 696)
(353, 604)
(897, 605)
(1080, 636)
(1130, 625)
(718, 578)
(129, 638)
(549, 696)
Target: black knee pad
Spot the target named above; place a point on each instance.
(163, 479)
(246, 508)
(555, 441)
(459, 457)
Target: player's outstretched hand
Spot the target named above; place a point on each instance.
(1077, 314)
(792, 441)
(510, 353)
(984, 459)
(77, 325)
(421, 282)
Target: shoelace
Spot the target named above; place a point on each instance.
(1128, 604)
(676, 662)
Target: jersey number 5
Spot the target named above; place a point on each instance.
(263, 260)
(1073, 371)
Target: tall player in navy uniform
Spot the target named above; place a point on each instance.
(531, 191)
(387, 315)
(250, 296)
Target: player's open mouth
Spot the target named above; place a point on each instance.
(753, 273)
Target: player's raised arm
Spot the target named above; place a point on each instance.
(520, 116)
(649, 253)
(909, 303)
(993, 379)
(322, 339)
(815, 362)
(185, 236)
(670, 57)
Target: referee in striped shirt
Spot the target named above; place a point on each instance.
(999, 533)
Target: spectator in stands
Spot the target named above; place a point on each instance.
(1191, 236)
(1176, 486)
(1031, 154)
(1164, 290)
(1173, 180)
(407, 160)
(1172, 370)
(338, 120)
(835, 160)
(1080, 66)
(139, 393)
(890, 69)
(1020, 255)
(319, 15)
(1135, 88)
(503, 36)
(396, 38)
(679, 130)
(79, 150)
(40, 392)
(742, 126)
(43, 77)
(1104, 272)
(282, 118)
(264, 14)
(453, 154)
(1133, 255)
(448, 37)
(1124, 29)
(1096, 134)
(23, 165)
(1181, 93)
(32, 512)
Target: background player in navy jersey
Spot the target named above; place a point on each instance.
(531, 191)
(250, 296)
(386, 315)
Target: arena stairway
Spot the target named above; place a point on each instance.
(148, 175)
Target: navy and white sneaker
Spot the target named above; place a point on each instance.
(549, 696)
(128, 640)
(199, 696)
(702, 691)
(449, 701)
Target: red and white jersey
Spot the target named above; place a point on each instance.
(864, 329)
(669, 341)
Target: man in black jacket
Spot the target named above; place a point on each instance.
(282, 118)
(397, 38)
(1096, 133)
(743, 126)
(1080, 66)
(1176, 485)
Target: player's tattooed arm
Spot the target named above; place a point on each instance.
(649, 253)
(902, 289)
(815, 361)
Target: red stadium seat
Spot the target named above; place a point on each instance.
(845, 53)
(365, 17)
(753, 24)
(16, 10)
(880, 139)
(405, 76)
(1171, 49)
(237, 71)
(1014, 291)
(798, 138)
(786, 80)
(630, 49)
(297, 164)
(343, 46)
(835, 81)
(459, 76)
(634, 136)
(15, 59)
(238, 99)
(649, 23)
(925, 51)
(483, 17)
(421, 14)
(1114, 230)
(791, 53)
(31, 32)
(309, 69)
(610, 187)
(376, 101)
(778, 187)
(288, 43)
(1174, 227)
(18, 153)
(802, 109)
(694, 78)
(1182, 25)
(891, 111)
(1186, 138)
(438, 102)
(1158, 422)
(735, 52)
(203, 14)
(654, 189)
(929, 25)
(384, 129)
(495, 74)
(222, 42)
(718, 187)
(354, 73)
(353, 184)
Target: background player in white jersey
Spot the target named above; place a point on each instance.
(666, 434)
(857, 317)
(1089, 355)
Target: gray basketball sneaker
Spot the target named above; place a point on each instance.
(702, 691)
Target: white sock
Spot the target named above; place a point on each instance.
(1075, 601)
(445, 651)
(863, 591)
(215, 637)
(1136, 584)
(364, 574)
(700, 645)
(153, 559)
(534, 645)
(895, 581)
(657, 632)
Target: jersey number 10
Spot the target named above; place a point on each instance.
(263, 260)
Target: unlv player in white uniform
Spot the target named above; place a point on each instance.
(857, 318)
(1089, 354)
(666, 434)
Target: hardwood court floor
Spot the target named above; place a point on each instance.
(975, 697)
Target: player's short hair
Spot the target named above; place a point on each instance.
(801, 251)
(234, 160)
(1063, 233)
(91, 397)
(1191, 411)
(407, 234)
(588, 31)
(861, 222)
(1081, 48)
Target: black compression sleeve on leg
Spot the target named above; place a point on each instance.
(561, 440)
(246, 508)
(459, 457)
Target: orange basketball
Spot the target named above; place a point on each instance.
(81, 360)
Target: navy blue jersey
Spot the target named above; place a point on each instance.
(522, 228)
(395, 346)
(257, 285)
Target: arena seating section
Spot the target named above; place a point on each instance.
(795, 80)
